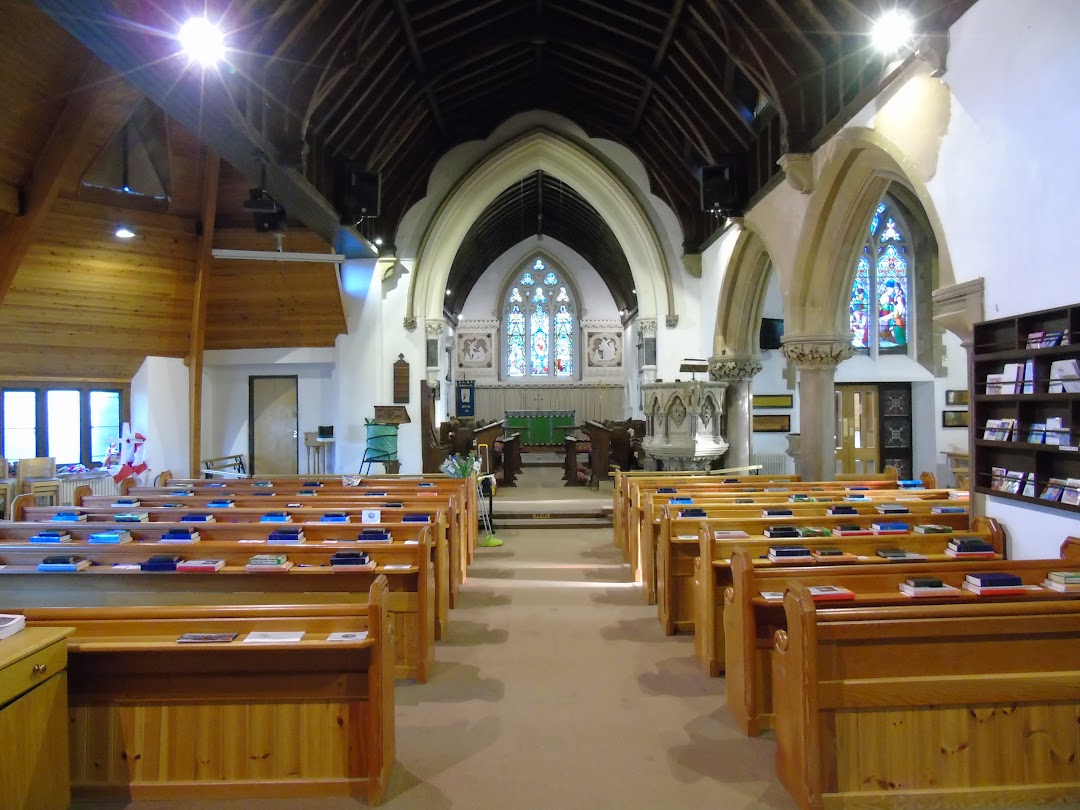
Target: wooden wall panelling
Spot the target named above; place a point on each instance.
(89, 305)
(259, 304)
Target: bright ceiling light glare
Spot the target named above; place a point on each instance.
(202, 41)
(378, 241)
(124, 232)
(893, 31)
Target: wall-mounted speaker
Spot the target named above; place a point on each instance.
(723, 186)
(356, 193)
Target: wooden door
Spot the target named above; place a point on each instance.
(857, 439)
(273, 430)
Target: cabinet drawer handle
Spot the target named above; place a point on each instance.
(39, 669)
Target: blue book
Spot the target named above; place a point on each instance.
(335, 517)
(681, 500)
(182, 493)
(197, 517)
(215, 485)
(276, 517)
(424, 484)
(376, 494)
(262, 483)
(373, 536)
(948, 510)
(225, 504)
(179, 534)
(416, 519)
(67, 517)
(307, 484)
(262, 493)
(692, 513)
(665, 490)
(66, 567)
(51, 537)
(996, 579)
(910, 483)
(109, 537)
(889, 526)
(306, 492)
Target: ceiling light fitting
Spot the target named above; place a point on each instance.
(124, 232)
(894, 31)
(202, 41)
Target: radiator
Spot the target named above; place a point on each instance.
(774, 464)
(102, 485)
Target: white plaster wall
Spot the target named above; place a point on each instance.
(770, 380)
(226, 428)
(715, 260)
(159, 410)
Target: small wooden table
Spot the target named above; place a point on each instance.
(959, 467)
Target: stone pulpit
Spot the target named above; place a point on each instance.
(682, 423)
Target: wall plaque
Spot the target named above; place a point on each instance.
(401, 380)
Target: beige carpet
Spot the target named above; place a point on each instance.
(555, 688)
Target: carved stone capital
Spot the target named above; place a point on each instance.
(817, 351)
(959, 307)
(692, 263)
(409, 323)
(647, 327)
(798, 170)
(671, 321)
(733, 368)
(434, 328)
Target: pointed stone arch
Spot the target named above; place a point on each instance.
(545, 151)
(853, 182)
(742, 297)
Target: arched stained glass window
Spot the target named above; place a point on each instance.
(880, 310)
(540, 325)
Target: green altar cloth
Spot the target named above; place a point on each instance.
(540, 427)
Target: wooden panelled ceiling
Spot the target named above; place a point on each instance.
(393, 84)
(540, 204)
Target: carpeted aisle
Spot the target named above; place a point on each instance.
(555, 689)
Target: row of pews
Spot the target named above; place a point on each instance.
(877, 699)
(153, 718)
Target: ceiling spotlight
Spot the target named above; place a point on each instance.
(378, 241)
(634, 292)
(202, 41)
(124, 232)
(893, 31)
(448, 292)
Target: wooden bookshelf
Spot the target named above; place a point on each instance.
(1029, 401)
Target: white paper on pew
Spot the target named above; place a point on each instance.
(687, 537)
(412, 542)
(356, 636)
(396, 567)
(772, 596)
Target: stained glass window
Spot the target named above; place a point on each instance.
(564, 343)
(540, 324)
(880, 309)
(515, 342)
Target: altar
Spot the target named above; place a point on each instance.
(540, 427)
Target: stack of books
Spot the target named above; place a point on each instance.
(110, 537)
(889, 527)
(829, 593)
(276, 517)
(974, 548)
(161, 563)
(1054, 489)
(1063, 581)
(927, 586)
(999, 430)
(197, 517)
(790, 554)
(132, 517)
(857, 498)
(851, 530)
(68, 517)
(841, 510)
(351, 561)
(994, 583)
(776, 512)
(51, 536)
(781, 531)
(63, 564)
(1011, 481)
(1056, 432)
(308, 484)
(948, 510)
(180, 536)
(692, 513)
(261, 563)
(899, 555)
(814, 531)
(200, 566)
(335, 517)
(224, 503)
(374, 536)
(833, 555)
(128, 503)
(180, 493)
(287, 537)
(262, 484)
(680, 501)
(892, 509)
(729, 534)
(416, 519)
(932, 528)
(910, 483)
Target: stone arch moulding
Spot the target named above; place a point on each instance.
(551, 153)
(848, 190)
(742, 297)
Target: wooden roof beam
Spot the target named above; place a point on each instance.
(418, 62)
(9, 199)
(658, 60)
(203, 269)
(99, 106)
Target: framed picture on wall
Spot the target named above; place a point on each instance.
(772, 423)
(955, 419)
(774, 400)
(956, 397)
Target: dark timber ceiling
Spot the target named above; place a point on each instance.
(393, 84)
(540, 204)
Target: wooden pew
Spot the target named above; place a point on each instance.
(675, 555)
(154, 719)
(411, 606)
(928, 706)
(600, 458)
(572, 445)
(711, 579)
(391, 519)
(750, 621)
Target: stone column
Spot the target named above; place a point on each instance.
(737, 372)
(816, 358)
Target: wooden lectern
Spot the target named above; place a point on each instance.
(600, 439)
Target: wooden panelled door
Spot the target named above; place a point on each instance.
(273, 442)
(857, 439)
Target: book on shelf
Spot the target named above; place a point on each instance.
(10, 624)
(225, 503)
(206, 638)
(892, 509)
(1037, 433)
(841, 510)
(970, 544)
(262, 483)
(1061, 587)
(857, 498)
(356, 635)
(729, 534)
(910, 483)
(680, 501)
(63, 564)
(899, 555)
(999, 590)
(161, 562)
(51, 536)
(789, 551)
(927, 586)
(287, 537)
(772, 596)
(197, 517)
(335, 517)
(132, 517)
(683, 513)
(1070, 493)
(1034, 340)
(1056, 432)
(374, 536)
(260, 568)
(971, 555)
(306, 493)
(267, 559)
(799, 498)
(127, 503)
(109, 537)
(69, 517)
(829, 593)
(310, 484)
(948, 510)
(1064, 377)
(416, 518)
(180, 536)
(1054, 489)
(1029, 376)
(993, 383)
(890, 527)
(1029, 486)
(833, 555)
(215, 485)
(850, 530)
(814, 531)
(200, 566)
(273, 637)
(932, 528)
(1054, 338)
(276, 517)
(781, 531)
(1065, 577)
(776, 513)
(351, 561)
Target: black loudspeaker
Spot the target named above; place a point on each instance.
(722, 186)
(356, 193)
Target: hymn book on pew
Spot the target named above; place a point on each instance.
(68, 517)
(1063, 581)
(63, 564)
(206, 638)
(830, 593)
(927, 586)
(51, 536)
(274, 637)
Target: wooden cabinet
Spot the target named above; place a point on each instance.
(1033, 346)
(34, 769)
